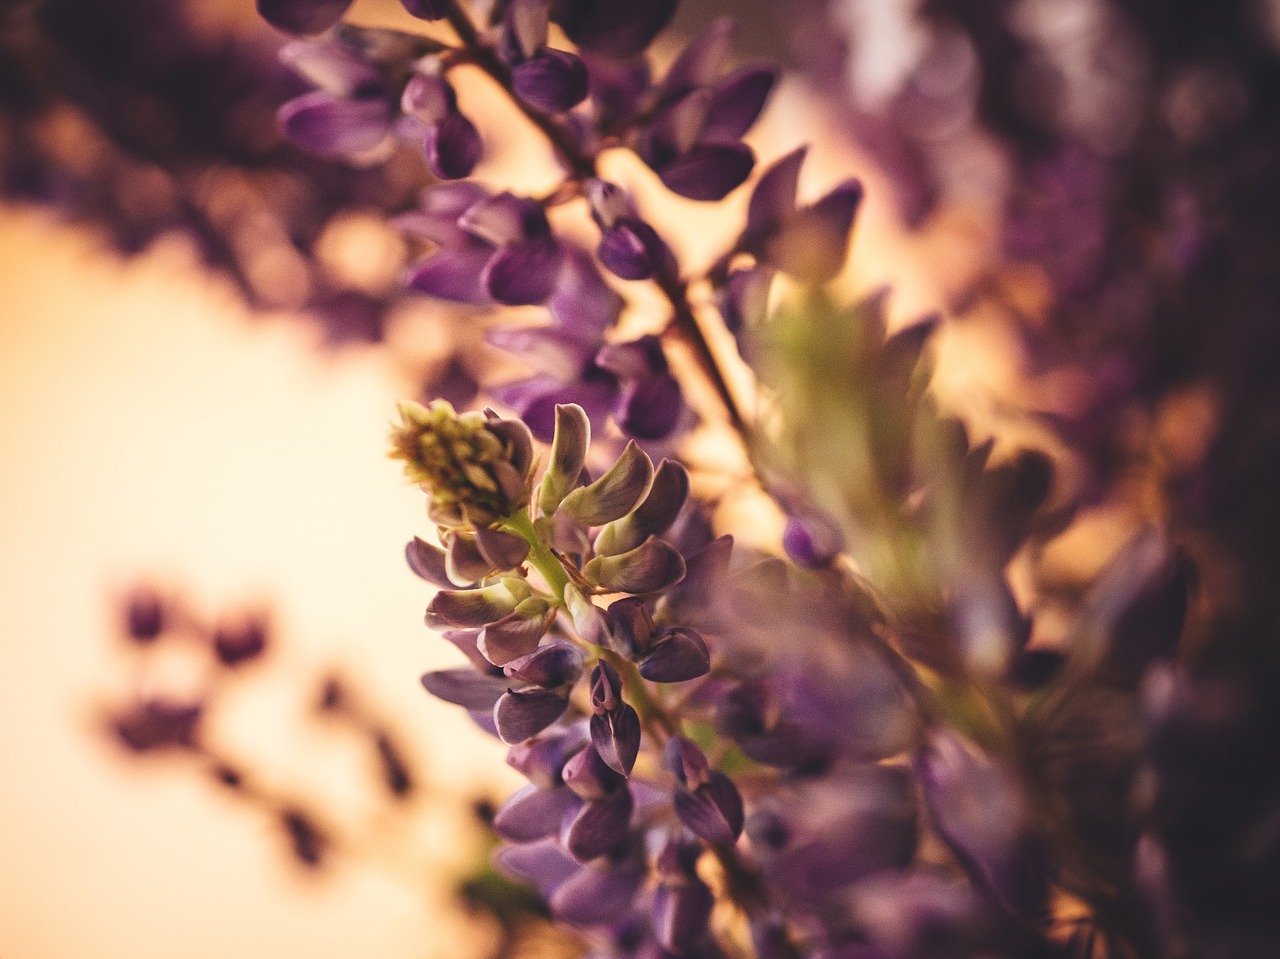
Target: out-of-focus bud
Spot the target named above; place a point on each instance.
(707, 801)
(145, 615)
(599, 827)
(158, 724)
(240, 641)
(304, 17)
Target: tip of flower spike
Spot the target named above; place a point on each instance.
(473, 467)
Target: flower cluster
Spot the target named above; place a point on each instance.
(906, 739)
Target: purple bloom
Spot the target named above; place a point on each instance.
(303, 16)
(497, 248)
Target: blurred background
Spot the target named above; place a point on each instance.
(202, 340)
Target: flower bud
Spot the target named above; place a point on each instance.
(473, 467)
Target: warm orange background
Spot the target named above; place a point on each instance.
(149, 427)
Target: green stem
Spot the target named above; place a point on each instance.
(543, 560)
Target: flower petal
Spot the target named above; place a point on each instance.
(599, 827)
(651, 566)
(614, 494)
(524, 274)
(522, 714)
(333, 126)
(453, 146)
(708, 171)
(465, 687)
(554, 81)
(534, 813)
(303, 17)
(453, 275)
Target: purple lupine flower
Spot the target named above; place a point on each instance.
(615, 30)
(304, 17)
(631, 381)
(451, 141)
(615, 727)
(495, 249)
(629, 247)
(706, 800)
(240, 641)
(694, 141)
(158, 724)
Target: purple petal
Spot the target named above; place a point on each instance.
(616, 737)
(541, 760)
(428, 97)
(534, 813)
(520, 715)
(427, 9)
(556, 352)
(700, 61)
(554, 81)
(551, 666)
(590, 777)
(634, 360)
(331, 126)
(464, 563)
(736, 103)
(542, 864)
(582, 300)
(811, 541)
(303, 17)
(453, 275)
(599, 827)
(713, 811)
(453, 146)
(650, 409)
(331, 67)
(614, 494)
(470, 608)
(239, 642)
(624, 253)
(159, 724)
(616, 87)
(465, 641)
(505, 219)
(773, 201)
(525, 23)
(427, 561)
(465, 687)
(813, 244)
(678, 656)
(686, 761)
(680, 914)
(606, 688)
(501, 550)
(536, 398)
(524, 274)
(512, 637)
(438, 213)
(620, 30)
(709, 171)
(651, 566)
(597, 894)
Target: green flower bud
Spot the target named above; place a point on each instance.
(473, 466)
